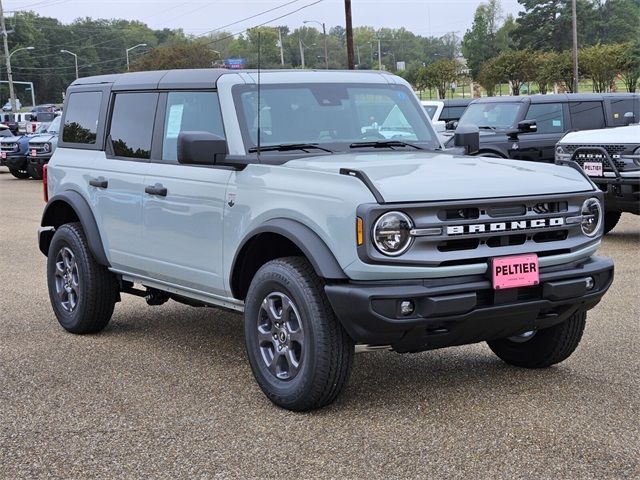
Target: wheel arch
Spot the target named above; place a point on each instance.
(278, 238)
(491, 151)
(67, 207)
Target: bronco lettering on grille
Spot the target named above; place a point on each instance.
(517, 225)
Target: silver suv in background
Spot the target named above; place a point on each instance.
(611, 158)
(323, 207)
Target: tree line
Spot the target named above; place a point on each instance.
(532, 47)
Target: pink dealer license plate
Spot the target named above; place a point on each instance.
(515, 271)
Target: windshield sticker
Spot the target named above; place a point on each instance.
(556, 123)
(174, 122)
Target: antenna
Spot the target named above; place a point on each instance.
(259, 105)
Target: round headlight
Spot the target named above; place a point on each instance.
(16, 147)
(391, 233)
(46, 147)
(591, 217)
(559, 150)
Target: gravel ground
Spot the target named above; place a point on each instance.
(166, 392)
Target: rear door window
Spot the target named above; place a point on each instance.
(549, 117)
(587, 115)
(131, 128)
(81, 117)
(189, 111)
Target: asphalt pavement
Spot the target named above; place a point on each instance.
(166, 392)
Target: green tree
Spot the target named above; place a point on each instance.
(516, 67)
(439, 75)
(489, 77)
(479, 42)
(177, 55)
(544, 70)
(599, 63)
(628, 64)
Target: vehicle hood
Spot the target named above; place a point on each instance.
(431, 176)
(628, 134)
(43, 138)
(485, 135)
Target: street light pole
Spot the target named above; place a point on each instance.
(324, 36)
(12, 94)
(10, 74)
(75, 58)
(129, 49)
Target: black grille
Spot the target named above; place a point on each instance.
(587, 155)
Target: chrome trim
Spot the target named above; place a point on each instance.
(425, 232)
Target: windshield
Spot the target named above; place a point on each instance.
(431, 110)
(332, 115)
(491, 115)
(54, 127)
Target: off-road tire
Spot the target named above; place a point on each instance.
(21, 173)
(327, 350)
(611, 219)
(34, 172)
(547, 347)
(98, 290)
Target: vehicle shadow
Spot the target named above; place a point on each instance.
(212, 342)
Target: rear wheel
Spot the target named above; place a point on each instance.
(611, 219)
(299, 353)
(34, 171)
(82, 292)
(542, 348)
(21, 173)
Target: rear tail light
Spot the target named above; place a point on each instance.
(45, 183)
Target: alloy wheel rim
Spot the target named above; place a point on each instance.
(280, 336)
(67, 279)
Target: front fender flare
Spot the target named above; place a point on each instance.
(52, 217)
(317, 252)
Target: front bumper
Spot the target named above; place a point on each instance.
(14, 161)
(457, 311)
(39, 161)
(621, 194)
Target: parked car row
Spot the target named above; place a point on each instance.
(25, 155)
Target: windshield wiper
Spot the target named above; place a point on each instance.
(384, 144)
(487, 127)
(285, 147)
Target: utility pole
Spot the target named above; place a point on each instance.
(12, 93)
(301, 51)
(379, 56)
(326, 52)
(281, 47)
(574, 21)
(349, 33)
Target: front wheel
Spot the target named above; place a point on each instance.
(611, 219)
(542, 348)
(299, 353)
(21, 173)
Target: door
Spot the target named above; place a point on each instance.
(118, 178)
(183, 208)
(551, 126)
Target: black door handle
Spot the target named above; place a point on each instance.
(99, 182)
(157, 189)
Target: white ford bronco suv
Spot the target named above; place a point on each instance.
(611, 157)
(324, 207)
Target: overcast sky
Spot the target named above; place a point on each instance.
(424, 17)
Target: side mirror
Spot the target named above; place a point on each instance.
(467, 136)
(629, 118)
(201, 148)
(451, 125)
(527, 126)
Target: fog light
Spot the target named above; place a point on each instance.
(590, 283)
(407, 307)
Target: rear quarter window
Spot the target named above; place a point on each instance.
(81, 117)
(587, 115)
